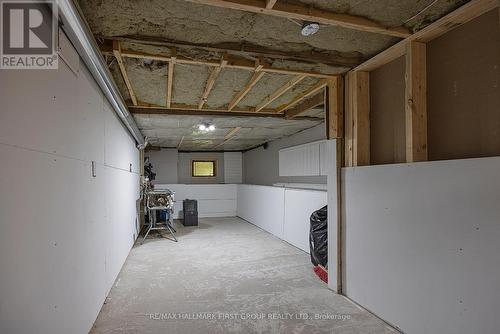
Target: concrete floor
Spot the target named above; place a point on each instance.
(226, 268)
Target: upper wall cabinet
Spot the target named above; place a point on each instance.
(303, 160)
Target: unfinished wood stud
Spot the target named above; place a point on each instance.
(416, 102)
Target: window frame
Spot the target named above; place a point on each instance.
(214, 163)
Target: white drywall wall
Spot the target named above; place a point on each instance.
(261, 166)
(422, 246)
(262, 206)
(164, 164)
(214, 200)
(300, 160)
(280, 211)
(233, 167)
(299, 205)
(331, 168)
(64, 234)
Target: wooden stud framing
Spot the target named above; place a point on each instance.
(334, 108)
(228, 136)
(307, 13)
(270, 3)
(180, 142)
(314, 89)
(416, 102)
(252, 82)
(118, 55)
(305, 105)
(331, 58)
(211, 80)
(357, 119)
(282, 90)
(232, 62)
(170, 78)
(462, 15)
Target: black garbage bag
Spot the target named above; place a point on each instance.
(318, 237)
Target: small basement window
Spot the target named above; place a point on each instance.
(204, 168)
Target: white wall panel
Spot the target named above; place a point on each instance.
(63, 234)
(233, 167)
(164, 165)
(299, 205)
(214, 200)
(119, 146)
(31, 109)
(262, 206)
(422, 244)
(302, 160)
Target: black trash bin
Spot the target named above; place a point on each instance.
(190, 210)
(318, 237)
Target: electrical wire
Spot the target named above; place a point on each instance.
(423, 10)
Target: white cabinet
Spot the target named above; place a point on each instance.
(303, 160)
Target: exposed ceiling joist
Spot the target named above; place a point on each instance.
(270, 3)
(170, 78)
(252, 82)
(327, 57)
(314, 89)
(228, 136)
(306, 105)
(306, 13)
(232, 62)
(196, 112)
(282, 90)
(180, 142)
(118, 55)
(462, 15)
(211, 80)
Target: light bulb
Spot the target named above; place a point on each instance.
(211, 127)
(202, 127)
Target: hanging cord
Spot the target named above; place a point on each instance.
(423, 10)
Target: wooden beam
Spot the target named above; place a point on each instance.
(229, 136)
(246, 49)
(334, 111)
(416, 102)
(180, 142)
(232, 62)
(282, 90)
(170, 78)
(304, 12)
(460, 16)
(358, 119)
(252, 82)
(118, 55)
(211, 80)
(311, 91)
(305, 105)
(196, 112)
(348, 125)
(270, 3)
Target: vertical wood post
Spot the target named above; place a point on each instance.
(416, 102)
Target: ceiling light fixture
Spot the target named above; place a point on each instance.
(206, 127)
(309, 28)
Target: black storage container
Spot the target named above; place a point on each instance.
(190, 210)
